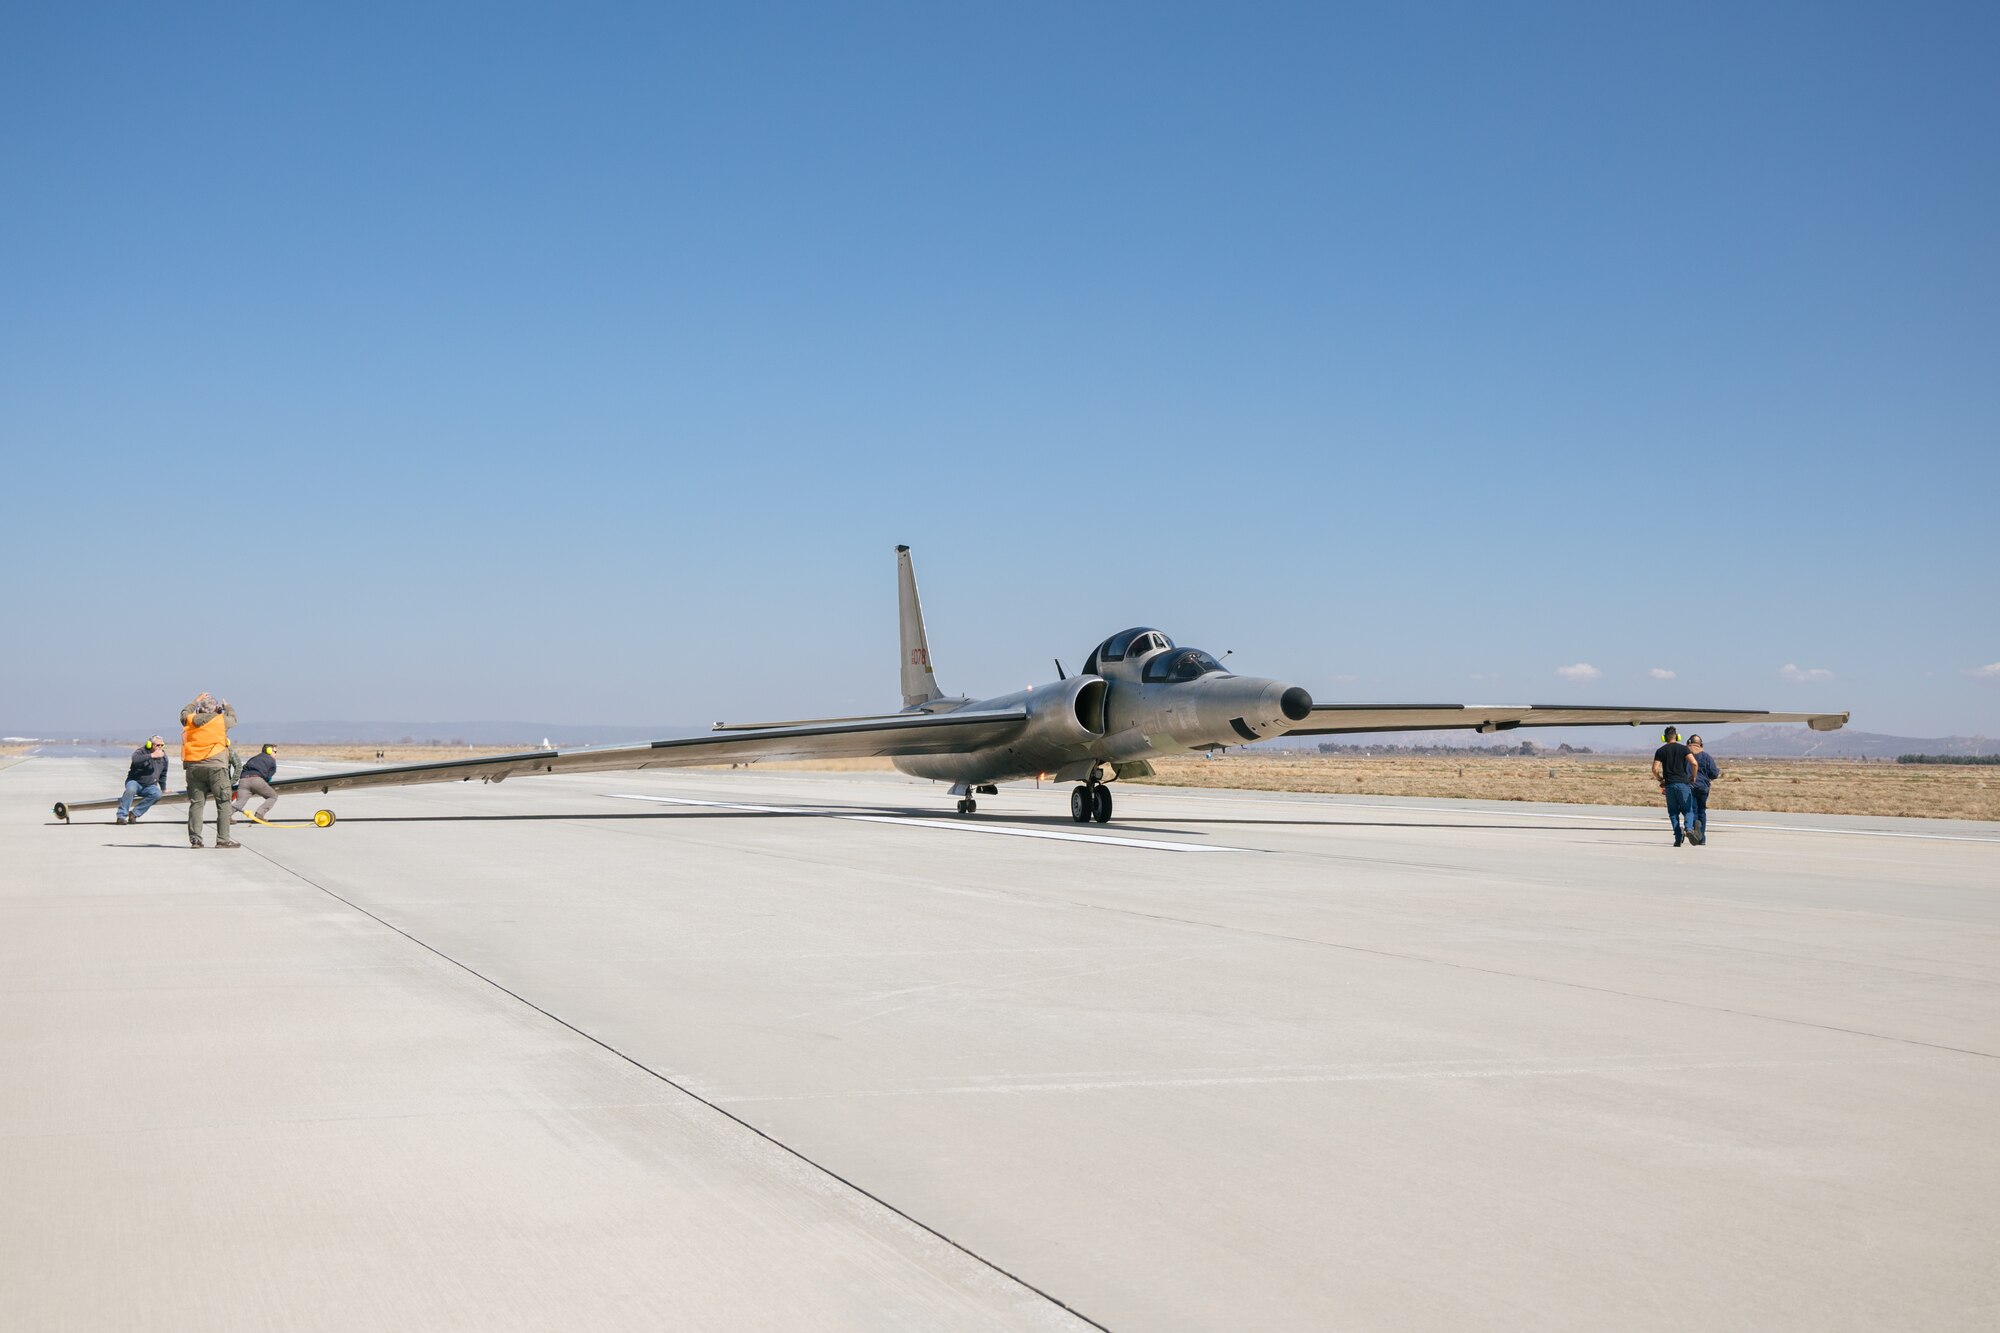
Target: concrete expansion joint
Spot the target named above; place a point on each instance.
(689, 1093)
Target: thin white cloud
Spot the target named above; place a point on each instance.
(1991, 671)
(1792, 671)
(1579, 671)
(1660, 673)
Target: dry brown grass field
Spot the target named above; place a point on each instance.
(1797, 786)
(393, 754)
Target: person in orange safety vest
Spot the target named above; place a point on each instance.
(205, 725)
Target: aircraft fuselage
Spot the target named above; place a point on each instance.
(1088, 725)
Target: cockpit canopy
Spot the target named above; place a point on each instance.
(1181, 664)
(1163, 661)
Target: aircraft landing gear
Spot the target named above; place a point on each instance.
(966, 805)
(1090, 802)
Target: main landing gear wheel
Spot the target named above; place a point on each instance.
(967, 805)
(1088, 803)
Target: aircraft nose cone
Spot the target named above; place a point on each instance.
(1296, 703)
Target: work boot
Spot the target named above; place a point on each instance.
(195, 843)
(228, 842)
(119, 819)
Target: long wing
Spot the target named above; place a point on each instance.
(1335, 719)
(900, 734)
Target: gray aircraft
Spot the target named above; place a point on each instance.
(1139, 694)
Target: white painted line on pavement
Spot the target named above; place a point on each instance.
(1339, 802)
(954, 826)
(1587, 1069)
(1732, 824)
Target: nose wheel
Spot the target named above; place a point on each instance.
(1090, 803)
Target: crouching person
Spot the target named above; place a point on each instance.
(205, 724)
(144, 781)
(258, 771)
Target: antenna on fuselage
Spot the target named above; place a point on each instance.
(1059, 670)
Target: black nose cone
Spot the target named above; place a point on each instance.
(1298, 705)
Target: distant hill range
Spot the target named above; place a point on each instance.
(454, 733)
(1765, 741)
(1776, 742)
(527, 735)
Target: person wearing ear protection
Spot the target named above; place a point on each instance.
(258, 770)
(144, 780)
(205, 724)
(1706, 771)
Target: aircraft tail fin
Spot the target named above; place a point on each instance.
(919, 685)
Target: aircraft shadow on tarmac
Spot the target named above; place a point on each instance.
(1184, 827)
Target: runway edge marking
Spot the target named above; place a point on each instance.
(1335, 800)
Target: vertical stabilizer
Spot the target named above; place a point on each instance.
(919, 685)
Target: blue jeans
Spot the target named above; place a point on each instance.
(1680, 807)
(1701, 810)
(148, 794)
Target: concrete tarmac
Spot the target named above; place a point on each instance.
(784, 1050)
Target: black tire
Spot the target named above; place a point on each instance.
(1100, 804)
(962, 803)
(1080, 804)
(971, 806)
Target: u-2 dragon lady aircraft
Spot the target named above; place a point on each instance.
(1139, 694)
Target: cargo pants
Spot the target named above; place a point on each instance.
(205, 781)
(250, 785)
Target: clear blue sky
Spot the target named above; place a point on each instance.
(586, 363)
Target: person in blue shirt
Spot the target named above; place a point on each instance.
(1706, 770)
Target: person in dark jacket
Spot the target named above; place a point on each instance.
(144, 780)
(1706, 770)
(258, 770)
